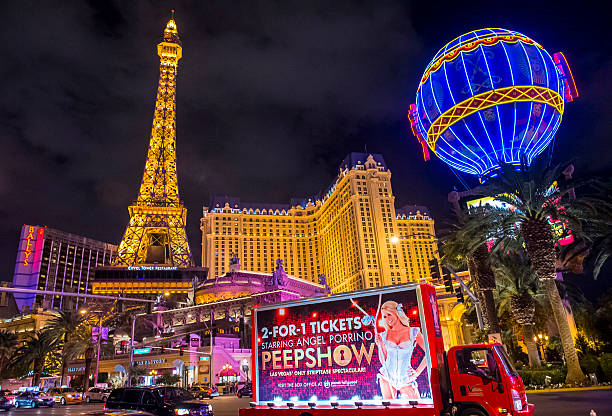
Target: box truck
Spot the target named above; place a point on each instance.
(375, 351)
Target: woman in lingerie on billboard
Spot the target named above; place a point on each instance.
(397, 377)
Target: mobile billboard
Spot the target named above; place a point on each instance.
(366, 346)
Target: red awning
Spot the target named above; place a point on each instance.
(228, 372)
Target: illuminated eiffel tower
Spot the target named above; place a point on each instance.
(156, 233)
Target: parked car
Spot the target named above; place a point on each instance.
(246, 390)
(96, 394)
(65, 395)
(9, 399)
(33, 399)
(5, 403)
(160, 401)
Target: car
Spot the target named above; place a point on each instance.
(33, 399)
(246, 390)
(7, 399)
(203, 392)
(5, 404)
(65, 395)
(160, 401)
(118, 413)
(200, 392)
(96, 394)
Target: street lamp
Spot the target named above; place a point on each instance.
(541, 340)
(394, 239)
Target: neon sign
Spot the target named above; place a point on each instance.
(28, 247)
(151, 268)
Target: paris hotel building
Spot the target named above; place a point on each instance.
(353, 233)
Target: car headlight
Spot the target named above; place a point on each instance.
(181, 411)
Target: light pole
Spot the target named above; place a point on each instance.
(98, 355)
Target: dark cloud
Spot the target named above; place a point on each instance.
(271, 96)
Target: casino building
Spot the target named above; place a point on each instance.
(52, 260)
(353, 233)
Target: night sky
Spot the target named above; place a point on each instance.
(271, 96)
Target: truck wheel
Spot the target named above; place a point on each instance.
(472, 411)
(305, 414)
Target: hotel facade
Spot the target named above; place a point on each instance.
(353, 233)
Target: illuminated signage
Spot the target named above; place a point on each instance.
(368, 348)
(28, 247)
(146, 362)
(167, 268)
(202, 358)
(142, 350)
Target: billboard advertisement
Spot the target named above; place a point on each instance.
(369, 347)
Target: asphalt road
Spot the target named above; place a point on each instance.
(569, 403)
(547, 404)
(222, 406)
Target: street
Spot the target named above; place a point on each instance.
(557, 404)
(572, 403)
(222, 406)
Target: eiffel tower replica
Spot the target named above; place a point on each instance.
(154, 255)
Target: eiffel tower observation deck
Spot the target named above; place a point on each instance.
(154, 255)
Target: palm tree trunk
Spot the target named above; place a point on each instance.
(64, 367)
(485, 283)
(541, 251)
(532, 347)
(64, 359)
(574, 372)
(491, 311)
(485, 312)
(88, 359)
(37, 371)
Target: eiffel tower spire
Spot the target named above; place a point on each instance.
(156, 231)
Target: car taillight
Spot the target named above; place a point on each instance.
(516, 400)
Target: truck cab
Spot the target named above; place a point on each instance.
(483, 381)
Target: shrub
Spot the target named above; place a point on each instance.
(537, 377)
(606, 366)
(589, 364)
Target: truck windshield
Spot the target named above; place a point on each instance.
(501, 352)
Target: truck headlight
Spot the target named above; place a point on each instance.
(181, 411)
(516, 400)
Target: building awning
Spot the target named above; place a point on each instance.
(227, 372)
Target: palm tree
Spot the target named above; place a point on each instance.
(36, 348)
(80, 345)
(518, 294)
(62, 327)
(598, 229)
(464, 249)
(8, 346)
(536, 199)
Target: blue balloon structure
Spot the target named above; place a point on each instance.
(490, 95)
